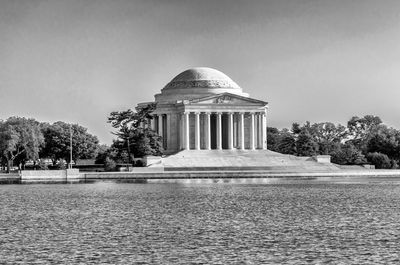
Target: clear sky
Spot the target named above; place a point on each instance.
(78, 60)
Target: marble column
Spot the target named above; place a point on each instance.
(259, 128)
(181, 126)
(264, 130)
(208, 131)
(186, 131)
(241, 133)
(235, 131)
(219, 131)
(252, 132)
(160, 125)
(230, 130)
(153, 123)
(197, 131)
(167, 131)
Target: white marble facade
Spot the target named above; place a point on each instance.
(203, 109)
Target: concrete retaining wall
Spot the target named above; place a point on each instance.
(322, 158)
(233, 174)
(12, 178)
(73, 175)
(144, 174)
(52, 176)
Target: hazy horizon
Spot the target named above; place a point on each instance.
(76, 61)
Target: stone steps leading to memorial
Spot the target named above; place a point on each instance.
(242, 160)
(255, 168)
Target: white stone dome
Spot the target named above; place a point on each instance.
(198, 82)
(202, 77)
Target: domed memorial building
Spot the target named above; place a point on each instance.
(204, 109)
(208, 123)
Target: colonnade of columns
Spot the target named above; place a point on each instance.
(234, 130)
(257, 135)
(157, 123)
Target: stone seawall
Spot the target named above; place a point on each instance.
(145, 174)
(52, 176)
(12, 178)
(232, 174)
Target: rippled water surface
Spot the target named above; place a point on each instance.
(285, 222)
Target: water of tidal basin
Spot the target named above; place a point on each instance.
(283, 222)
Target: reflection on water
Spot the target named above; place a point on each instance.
(286, 222)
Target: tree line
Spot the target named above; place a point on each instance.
(26, 139)
(364, 140)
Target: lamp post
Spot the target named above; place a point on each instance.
(70, 148)
(129, 153)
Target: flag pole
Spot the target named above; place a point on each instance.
(70, 142)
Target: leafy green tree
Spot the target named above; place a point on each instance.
(102, 153)
(386, 141)
(308, 139)
(120, 152)
(116, 152)
(347, 145)
(286, 143)
(133, 132)
(328, 136)
(109, 164)
(110, 155)
(296, 128)
(20, 139)
(348, 154)
(146, 142)
(379, 160)
(272, 138)
(361, 130)
(306, 145)
(2, 162)
(58, 139)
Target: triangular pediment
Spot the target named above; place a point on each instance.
(227, 99)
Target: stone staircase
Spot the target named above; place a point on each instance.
(237, 160)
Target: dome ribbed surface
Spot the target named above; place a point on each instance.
(201, 77)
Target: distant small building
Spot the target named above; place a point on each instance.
(85, 162)
(86, 165)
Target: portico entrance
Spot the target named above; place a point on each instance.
(222, 131)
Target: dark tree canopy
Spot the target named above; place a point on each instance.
(20, 140)
(127, 120)
(57, 142)
(286, 144)
(348, 154)
(272, 138)
(306, 145)
(386, 141)
(379, 160)
(327, 136)
(360, 127)
(361, 130)
(134, 134)
(364, 140)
